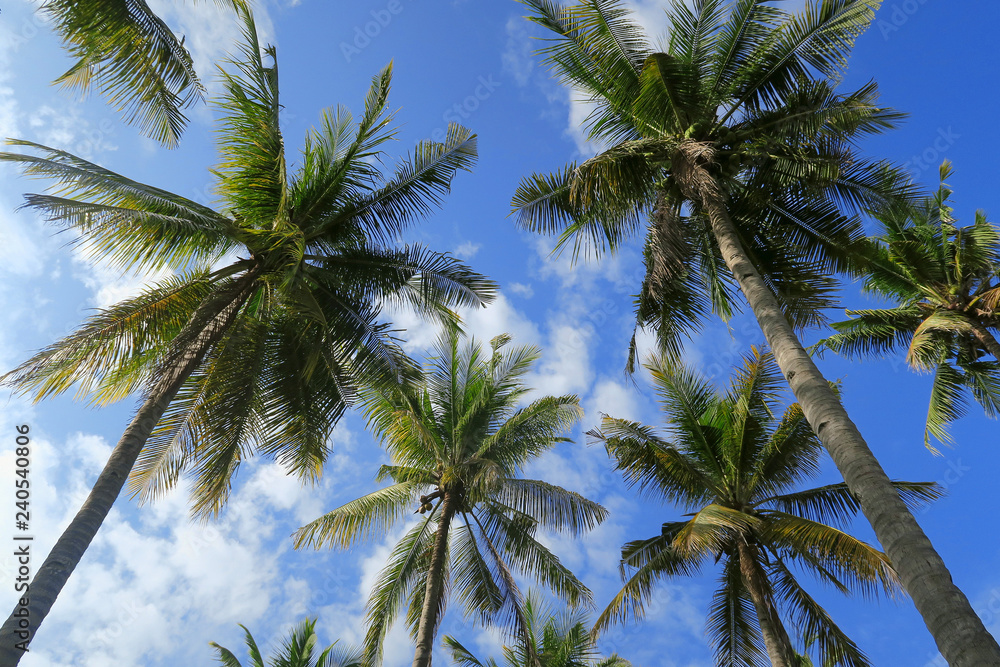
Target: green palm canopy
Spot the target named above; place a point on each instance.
(125, 51)
(945, 282)
(298, 650)
(458, 442)
(737, 462)
(735, 158)
(725, 106)
(557, 640)
(258, 345)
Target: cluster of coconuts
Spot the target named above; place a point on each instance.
(728, 161)
(425, 502)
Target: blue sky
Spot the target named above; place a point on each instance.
(155, 588)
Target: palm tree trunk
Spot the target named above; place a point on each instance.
(985, 338)
(435, 587)
(205, 327)
(779, 646)
(960, 635)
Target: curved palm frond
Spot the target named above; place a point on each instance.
(456, 434)
(941, 276)
(557, 640)
(297, 650)
(264, 355)
(133, 58)
(735, 462)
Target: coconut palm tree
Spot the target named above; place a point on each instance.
(458, 443)
(730, 143)
(297, 651)
(946, 282)
(258, 345)
(736, 462)
(561, 640)
(131, 56)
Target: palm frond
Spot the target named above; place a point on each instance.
(511, 534)
(630, 602)
(833, 645)
(364, 519)
(252, 171)
(419, 185)
(948, 403)
(129, 224)
(552, 506)
(130, 55)
(657, 469)
(732, 621)
(404, 573)
(859, 566)
(108, 356)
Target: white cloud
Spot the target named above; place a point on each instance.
(467, 250)
(579, 110)
(211, 31)
(67, 129)
(650, 15)
(522, 289)
(11, 40)
(8, 108)
(23, 253)
(614, 398)
(501, 317)
(517, 58)
(483, 324)
(153, 583)
(565, 367)
(110, 285)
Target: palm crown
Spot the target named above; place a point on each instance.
(944, 279)
(259, 344)
(126, 51)
(557, 640)
(458, 442)
(735, 461)
(315, 263)
(299, 650)
(726, 107)
(733, 150)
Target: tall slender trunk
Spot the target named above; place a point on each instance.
(960, 635)
(985, 338)
(779, 646)
(435, 587)
(205, 327)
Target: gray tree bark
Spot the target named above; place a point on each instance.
(57, 567)
(435, 587)
(984, 336)
(958, 631)
(779, 647)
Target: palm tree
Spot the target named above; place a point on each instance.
(458, 442)
(263, 352)
(133, 58)
(557, 640)
(297, 651)
(944, 279)
(734, 460)
(734, 144)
